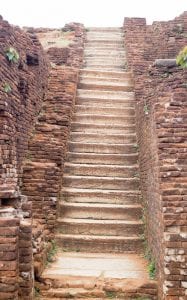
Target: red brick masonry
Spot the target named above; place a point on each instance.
(161, 117)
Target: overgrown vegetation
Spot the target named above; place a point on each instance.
(12, 55)
(141, 298)
(146, 109)
(181, 59)
(36, 292)
(147, 252)
(111, 295)
(52, 252)
(7, 88)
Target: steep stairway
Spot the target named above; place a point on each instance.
(99, 224)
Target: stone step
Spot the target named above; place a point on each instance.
(107, 59)
(99, 128)
(104, 29)
(100, 196)
(100, 211)
(104, 53)
(105, 94)
(112, 86)
(104, 120)
(105, 33)
(106, 66)
(119, 276)
(103, 158)
(98, 244)
(87, 182)
(112, 103)
(104, 42)
(102, 138)
(93, 79)
(99, 227)
(101, 148)
(100, 46)
(102, 111)
(101, 170)
(104, 39)
(106, 74)
(73, 293)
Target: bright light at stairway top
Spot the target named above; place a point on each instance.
(90, 12)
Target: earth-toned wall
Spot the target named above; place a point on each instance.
(36, 103)
(160, 91)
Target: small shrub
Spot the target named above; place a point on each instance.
(146, 109)
(181, 59)
(7, 88)
(12, 55)
(52, 253)
(36, 292)
(152, 269)
(111, 295)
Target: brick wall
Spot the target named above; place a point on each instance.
(160, 116)
(43, 168)
(26, 79)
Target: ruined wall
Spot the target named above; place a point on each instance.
(35, 114)
(160, 116)
(23, 84)
(27, 80)
(43, 169)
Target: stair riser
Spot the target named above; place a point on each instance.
(99, 47)
(101, 55)
(91, 128)
(104, 80)
(100, 198)
(103, 213)
(103, 42)
(99, 159)
(98, 229)
(107, 120)
(99, 148)
(104, 103)
(106, 66)
(109, 95)
(99, 183)
(101, 171)
(103, 111)
(91, 138)
(76, 295)
(127, 88)
(95, 246)
(107, 60)
(120, 75)
(104, 29)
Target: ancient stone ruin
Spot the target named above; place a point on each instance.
(93, 144)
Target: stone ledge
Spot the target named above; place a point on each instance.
(169, 63)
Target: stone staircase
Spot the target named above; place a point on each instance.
(99, 225)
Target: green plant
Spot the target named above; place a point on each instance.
(181, 59)
(7, 88)
(36, 292)
(141, 298)
(52, 252)
(111, 295)
(152, 269)
(12, 55)
(146, 109)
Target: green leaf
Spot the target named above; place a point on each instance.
(7, 88)
(181, 58)
(12, 54)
